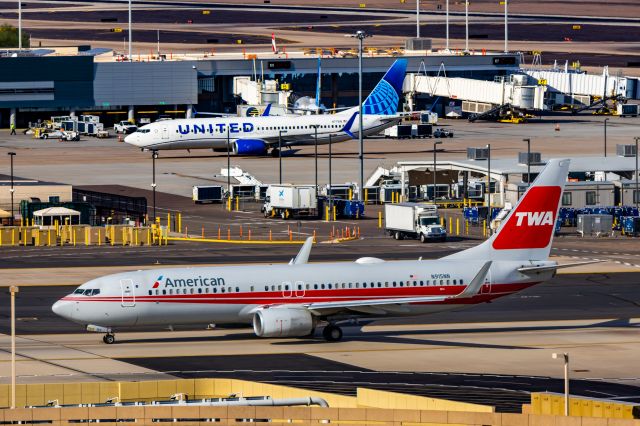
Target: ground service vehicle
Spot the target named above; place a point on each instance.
(125, 127)
(413, 220)
(290, 200)
(442, 133)
(207, 194)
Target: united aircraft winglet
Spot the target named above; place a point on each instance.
(348, 124)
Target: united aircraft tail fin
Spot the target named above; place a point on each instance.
(385, 97)
(527, 232)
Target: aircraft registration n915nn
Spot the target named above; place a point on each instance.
(258, 135)
(290, 300)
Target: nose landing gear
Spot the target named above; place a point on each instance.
(109, 339)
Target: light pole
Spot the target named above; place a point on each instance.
(360, 35)
(636, 194)
(605, 136)
(315, 128)
(228, 165)
(130, 58)
(280, 153)
(435, 144)
(466, 25)
(565, 357)
(447, 23)
(330, 170)
(417, 18)
(154, 156)
(506, 26)
(528, 141)
(13, 290)
(12, 189)
(19, 25)
(488, 224)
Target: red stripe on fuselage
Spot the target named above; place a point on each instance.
(311, 296)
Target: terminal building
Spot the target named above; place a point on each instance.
(38, 87)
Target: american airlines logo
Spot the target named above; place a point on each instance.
(534, 218)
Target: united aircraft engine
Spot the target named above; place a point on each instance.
(283, 322)
(249, 147)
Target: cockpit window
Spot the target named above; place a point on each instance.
(87, 291)
(143, 130)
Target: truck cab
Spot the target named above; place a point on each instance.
(429, 228)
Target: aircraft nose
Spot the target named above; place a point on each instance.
(63, 308)
(132, 139)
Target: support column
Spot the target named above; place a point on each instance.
(403, 177)
(72, 113)
(189, 113)
(13, 116)
(130, 114)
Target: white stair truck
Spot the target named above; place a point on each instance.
(413, 220)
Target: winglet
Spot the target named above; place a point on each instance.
(476, 283)
(266, 111)
(303, 254)
(348, 124)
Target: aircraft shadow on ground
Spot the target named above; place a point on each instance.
(355, 333)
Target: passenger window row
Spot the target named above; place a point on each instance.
(286, 287)
(192, 290)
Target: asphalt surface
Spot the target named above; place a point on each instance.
(566, 297)
(518, 31)
(148, 36)
(506, 393)
(183, 16)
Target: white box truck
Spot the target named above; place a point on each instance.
(413, 220)
(290, 200)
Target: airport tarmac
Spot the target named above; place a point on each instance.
(88, 162)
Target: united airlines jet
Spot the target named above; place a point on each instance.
(291, 300)
(259, 135)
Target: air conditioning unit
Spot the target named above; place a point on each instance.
(477, 153)
(417, 44)
(626, 150)
(534, 158)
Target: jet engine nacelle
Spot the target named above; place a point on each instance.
(283, 322)
(249, 147)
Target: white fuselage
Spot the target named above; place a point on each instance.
(217, 132)
(231, 294)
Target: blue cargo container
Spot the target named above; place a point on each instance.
(630, 225)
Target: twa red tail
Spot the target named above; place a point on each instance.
(527, 232)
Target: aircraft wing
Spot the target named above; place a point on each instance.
(381, 305)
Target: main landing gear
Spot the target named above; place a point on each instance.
(109, 339)
(332, 333)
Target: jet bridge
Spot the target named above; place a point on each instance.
(568, 87)
(504, 97)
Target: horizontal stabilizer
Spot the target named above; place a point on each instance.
(528, 270)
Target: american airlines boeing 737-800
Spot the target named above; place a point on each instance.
(290, 300)
(258, 135)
